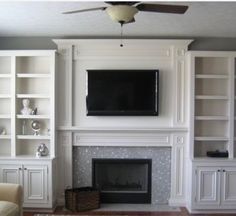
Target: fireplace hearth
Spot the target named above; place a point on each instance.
(123, 180)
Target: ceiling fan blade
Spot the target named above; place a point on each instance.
(84, 10)
(162, 8)
(121, 2)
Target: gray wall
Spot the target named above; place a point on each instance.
(27, 43)
(220, 44)
(214, 44)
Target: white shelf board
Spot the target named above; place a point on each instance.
(5, 75)
(33, 116)
(26, 157)
(211, 97)
(33, 137)
(5, 136)
(212, 76)
(32, 96)
(31, 75)
(223, 118)
(5, 116)
(5, 96)
(210, 138)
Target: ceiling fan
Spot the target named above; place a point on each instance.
(123, 11)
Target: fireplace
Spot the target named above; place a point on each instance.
(123, 180)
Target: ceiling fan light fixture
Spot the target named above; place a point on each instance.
(121, 13)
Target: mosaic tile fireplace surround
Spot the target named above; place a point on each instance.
(161, 166)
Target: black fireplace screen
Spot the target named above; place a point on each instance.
(123, 180)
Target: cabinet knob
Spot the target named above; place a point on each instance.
(223, 170)
(25, 168)
(20, 168)
(218, 170)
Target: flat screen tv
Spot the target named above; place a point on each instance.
(122, 92)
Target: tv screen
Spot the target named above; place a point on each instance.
(122, 92)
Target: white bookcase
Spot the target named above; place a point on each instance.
(6, 102)
(28, 74)
(212, 102)
(212, 118)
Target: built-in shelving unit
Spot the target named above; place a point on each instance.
(211, 168)
(5, 104)
(212, 102)
(26, 75)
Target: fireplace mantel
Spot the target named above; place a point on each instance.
(127, 137)
(169, 129)
(122, 129)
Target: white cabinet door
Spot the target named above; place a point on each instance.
(229, 186)
(207, 187)
(35, 185)
(11, 174)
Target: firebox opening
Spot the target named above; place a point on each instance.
(123, 180)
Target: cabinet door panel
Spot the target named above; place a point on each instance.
(207, 186)
(36, 184)
(229, 186)
(11, 174)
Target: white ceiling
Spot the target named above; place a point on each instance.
(45, 18)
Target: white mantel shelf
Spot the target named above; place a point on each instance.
(161, 130)
(125, 137)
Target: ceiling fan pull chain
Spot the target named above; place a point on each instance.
(121, 34)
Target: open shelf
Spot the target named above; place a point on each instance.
(5, 136)
(33, 64)
(211, 97)
(222, 118)
(211, 65)
(33, 116)
(33, 96)
(205, 138)
(211, 108)
(5, 96)
(31, 75)
(5, 116)
(5, 62)
(5, 75)
(33, 137)
(211, 76)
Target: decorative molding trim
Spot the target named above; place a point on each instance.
(180, 92)
(64, 162)
(178, 168)
(130, 42)
(181, 52)
(123, 129)
(89, 49)
(65, 79)
(121, 139)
